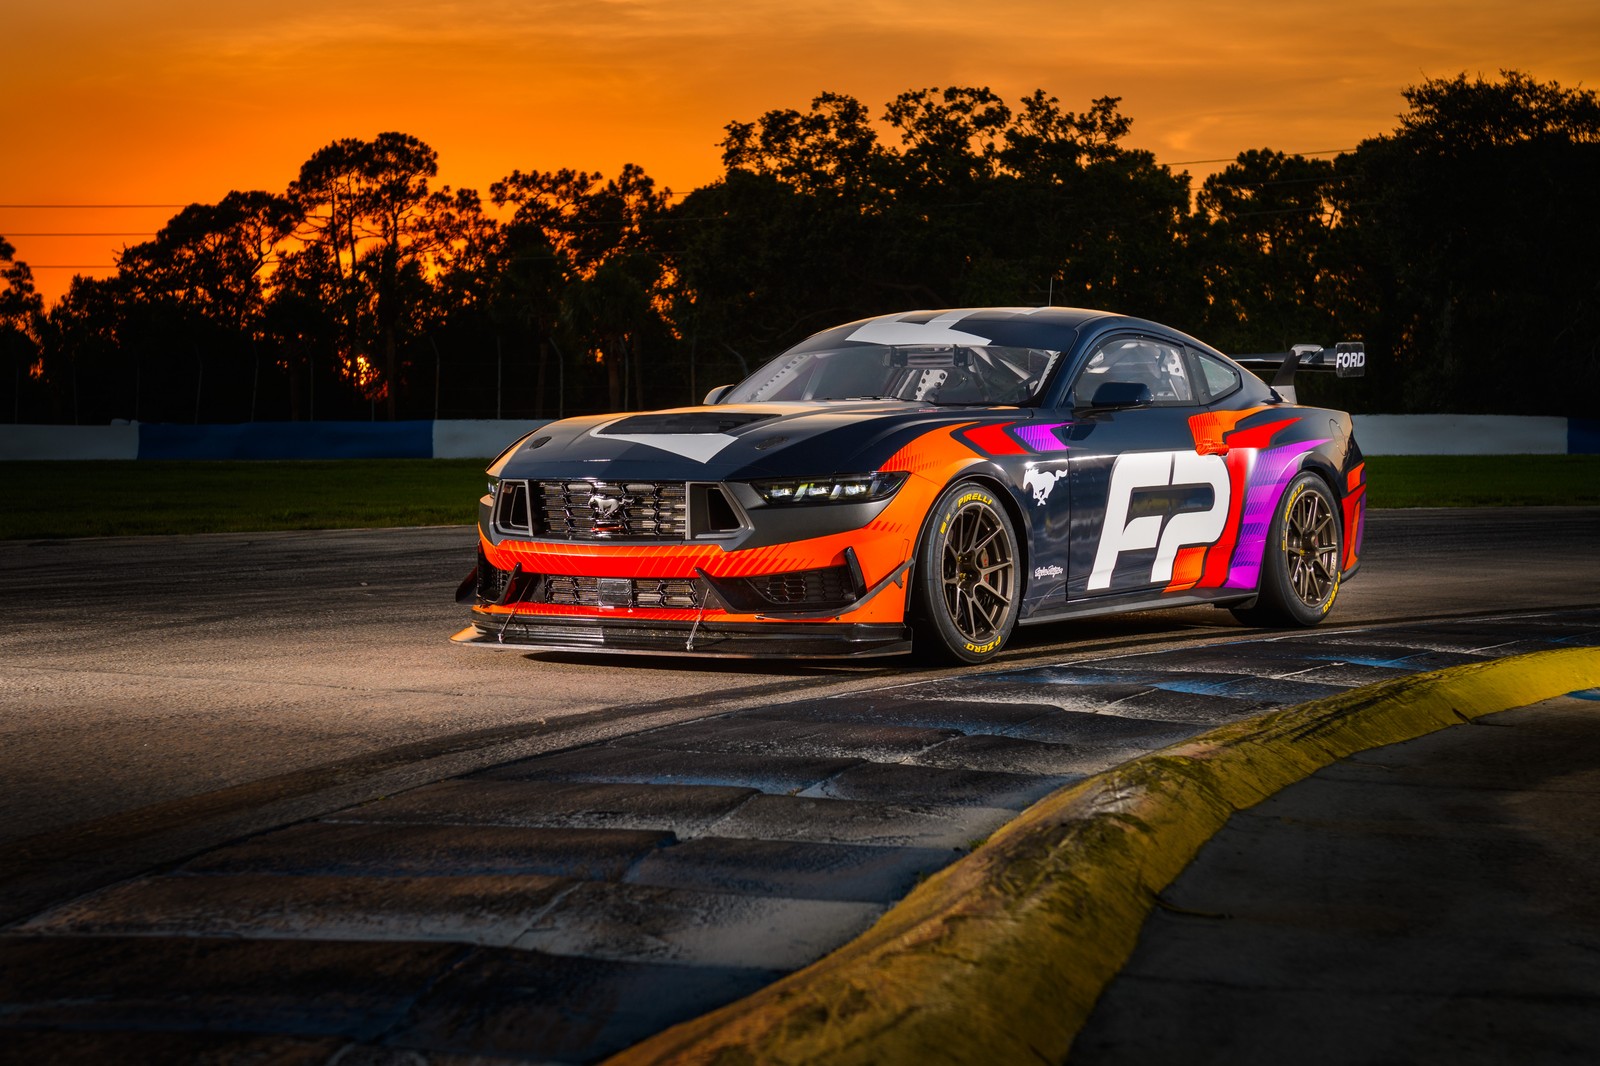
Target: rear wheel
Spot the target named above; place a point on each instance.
(1300, 565)
(967, 579)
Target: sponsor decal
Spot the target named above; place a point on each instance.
(1347, 360)
(1165, 533)
(1048, 571)
(1041, 482)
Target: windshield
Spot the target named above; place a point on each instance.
(930, 374)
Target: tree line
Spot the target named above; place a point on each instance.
(1460, 246)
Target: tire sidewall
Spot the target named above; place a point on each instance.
(935, 633)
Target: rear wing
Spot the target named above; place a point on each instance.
(1347, 359)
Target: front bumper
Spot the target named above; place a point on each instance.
(634, 636)
(826, 581)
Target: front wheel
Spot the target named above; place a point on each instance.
(1300, 564)
(967, 582)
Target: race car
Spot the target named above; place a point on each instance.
(927, 482)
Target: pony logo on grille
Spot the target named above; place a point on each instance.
(605, 507)
(610, 516)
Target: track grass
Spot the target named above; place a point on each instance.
(93, 499)
(1483, 480)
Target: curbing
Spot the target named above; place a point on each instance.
(1001, 956)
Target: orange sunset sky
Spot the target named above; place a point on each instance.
(134, 102)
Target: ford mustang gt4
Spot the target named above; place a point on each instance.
(928, 481)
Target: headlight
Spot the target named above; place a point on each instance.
(834, 488)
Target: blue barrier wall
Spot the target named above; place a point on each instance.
(288, 440)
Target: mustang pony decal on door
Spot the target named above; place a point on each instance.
(927, 481)
(1041, 482)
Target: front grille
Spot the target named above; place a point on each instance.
(603, 510)
(806, 586)
(492, 582)
(587, 592)
(829, 588)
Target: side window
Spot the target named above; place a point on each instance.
(1218, 377)
(1141, 360)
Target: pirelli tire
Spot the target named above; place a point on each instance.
(1300, 566)
(967, 583)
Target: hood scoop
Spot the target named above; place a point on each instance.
(683, 422)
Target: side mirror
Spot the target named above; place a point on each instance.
(1112, 394)
(715, 395)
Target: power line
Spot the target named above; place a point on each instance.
(1304, 209)
(90, 207)
(1326, 180)
(1235, 159)
(128, 233)
(674, 195)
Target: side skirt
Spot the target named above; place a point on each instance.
(1137, 601)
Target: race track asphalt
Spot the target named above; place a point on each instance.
(274, 835)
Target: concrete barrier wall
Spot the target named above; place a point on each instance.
(69, 442)
(1460, 435)
(486, 438)
(479, 439)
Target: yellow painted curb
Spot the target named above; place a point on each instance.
(1001, 956)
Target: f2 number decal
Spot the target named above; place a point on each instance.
(1166, 533)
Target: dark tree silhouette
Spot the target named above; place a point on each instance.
(1472, 231)
(21, 319)
(831, 149)
(367, 208)
(1265, 227)
(1459, 246)
(602, 235)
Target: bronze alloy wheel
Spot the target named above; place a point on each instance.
(1300, 572)
(968, 583)
(1311, 548)
(980, 572)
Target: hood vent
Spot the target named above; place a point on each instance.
(685, 422)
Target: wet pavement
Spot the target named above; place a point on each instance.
(1431, 901)
(561, 907)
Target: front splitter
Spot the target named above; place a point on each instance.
(776, 640)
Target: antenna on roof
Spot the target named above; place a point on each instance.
(1050, 298)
